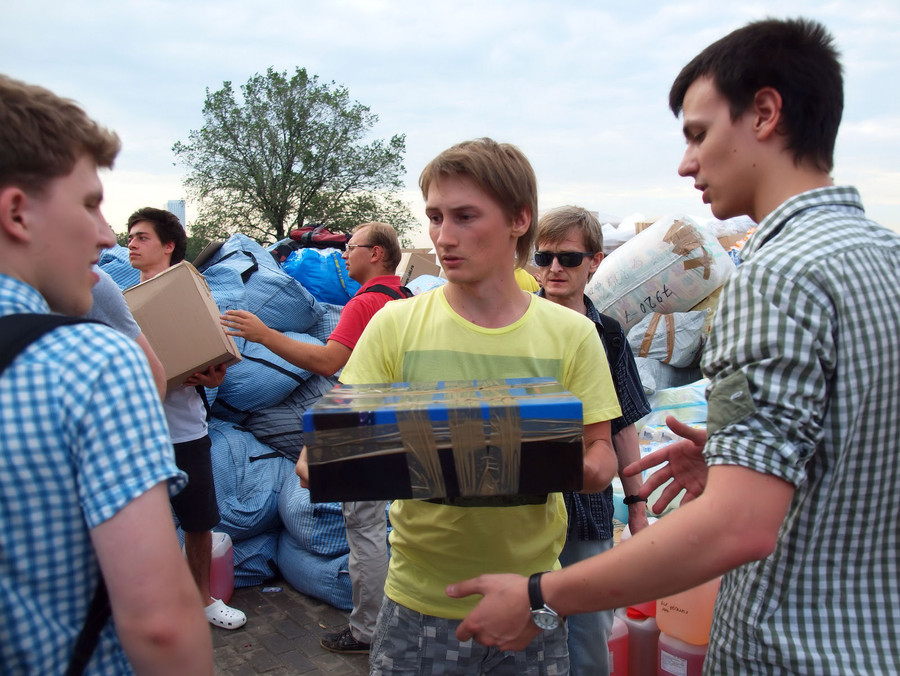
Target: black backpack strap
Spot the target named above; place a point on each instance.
(98, 613)
(396, 294)
(17, 332)
(611, 336)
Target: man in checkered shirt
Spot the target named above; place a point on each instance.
(798, 483)
(85, 459)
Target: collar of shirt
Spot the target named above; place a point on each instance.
(772, 225)
(17, 296)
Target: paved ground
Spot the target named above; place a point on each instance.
(282, 636)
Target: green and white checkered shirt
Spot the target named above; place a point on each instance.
(804, 363)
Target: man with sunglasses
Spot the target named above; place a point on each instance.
(569, 251)
(372, 256)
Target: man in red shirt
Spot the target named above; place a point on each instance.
(372, 256)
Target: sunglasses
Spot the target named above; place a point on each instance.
(568, 259)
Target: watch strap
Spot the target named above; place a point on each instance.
(535, 598)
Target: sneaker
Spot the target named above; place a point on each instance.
(343, 642)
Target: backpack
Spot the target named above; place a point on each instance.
(18, 331)
(396, 294)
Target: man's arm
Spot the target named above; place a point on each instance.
(156, 367)
(736, 520)
(155, 604)
(600, 463)
(325, 360)
(628, 451)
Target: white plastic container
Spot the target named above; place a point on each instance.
(221, 567)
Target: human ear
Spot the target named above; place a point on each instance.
(766, 108)
(522, 222)
(13, 205)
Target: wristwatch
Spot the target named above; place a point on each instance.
(543, 615)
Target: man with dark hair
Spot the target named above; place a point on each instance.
(803, 360)
(157, 241)
(481, 203)
(372, 256)
(159, 230)
(85, 461)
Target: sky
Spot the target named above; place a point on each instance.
(580, 86)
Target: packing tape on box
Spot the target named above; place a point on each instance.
(486, 453)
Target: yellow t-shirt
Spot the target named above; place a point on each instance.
(423, 340)
(526, 280)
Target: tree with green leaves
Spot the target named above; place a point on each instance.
(291, 153)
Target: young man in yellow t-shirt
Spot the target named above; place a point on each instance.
(481, 203)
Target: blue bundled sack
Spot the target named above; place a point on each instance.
(256, 559)
(321, 577)
(317, 528)
(278, 299)
(248, 477)
(116, 263)
(261, 379)
(323, 273)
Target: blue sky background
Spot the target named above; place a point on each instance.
(580, 86)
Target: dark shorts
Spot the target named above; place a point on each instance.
(196, 506)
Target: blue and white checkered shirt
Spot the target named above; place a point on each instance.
(804, 364)
(83, 435)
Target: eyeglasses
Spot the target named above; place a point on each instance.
(351, 247)
(568, 259)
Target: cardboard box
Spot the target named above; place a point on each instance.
(459, 440)
(178, 315)
(414, 264)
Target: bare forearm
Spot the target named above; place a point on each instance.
(727, 526)
(599, 467)
(627, 447)
(179, 643)
(156, 366)
(307, 356)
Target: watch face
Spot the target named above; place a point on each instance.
(545, 619)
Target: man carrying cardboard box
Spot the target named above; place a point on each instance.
(156, 241)
(372, 255)
(85, 460)
(481, 202)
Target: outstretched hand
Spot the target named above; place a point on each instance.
(244, 324)
(686, 466)
(503, 617)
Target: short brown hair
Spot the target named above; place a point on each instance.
(556, 224)
(501, 170)
(43, 135)
(385, 236)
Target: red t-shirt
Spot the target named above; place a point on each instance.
(360, 309)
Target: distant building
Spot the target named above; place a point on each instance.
(177, 208)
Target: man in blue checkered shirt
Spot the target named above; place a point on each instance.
(85, 460)
(801, 463)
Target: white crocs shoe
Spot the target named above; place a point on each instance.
(224, 616)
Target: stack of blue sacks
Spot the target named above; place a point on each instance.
(257, 428)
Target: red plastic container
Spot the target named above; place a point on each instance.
(618, 648)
